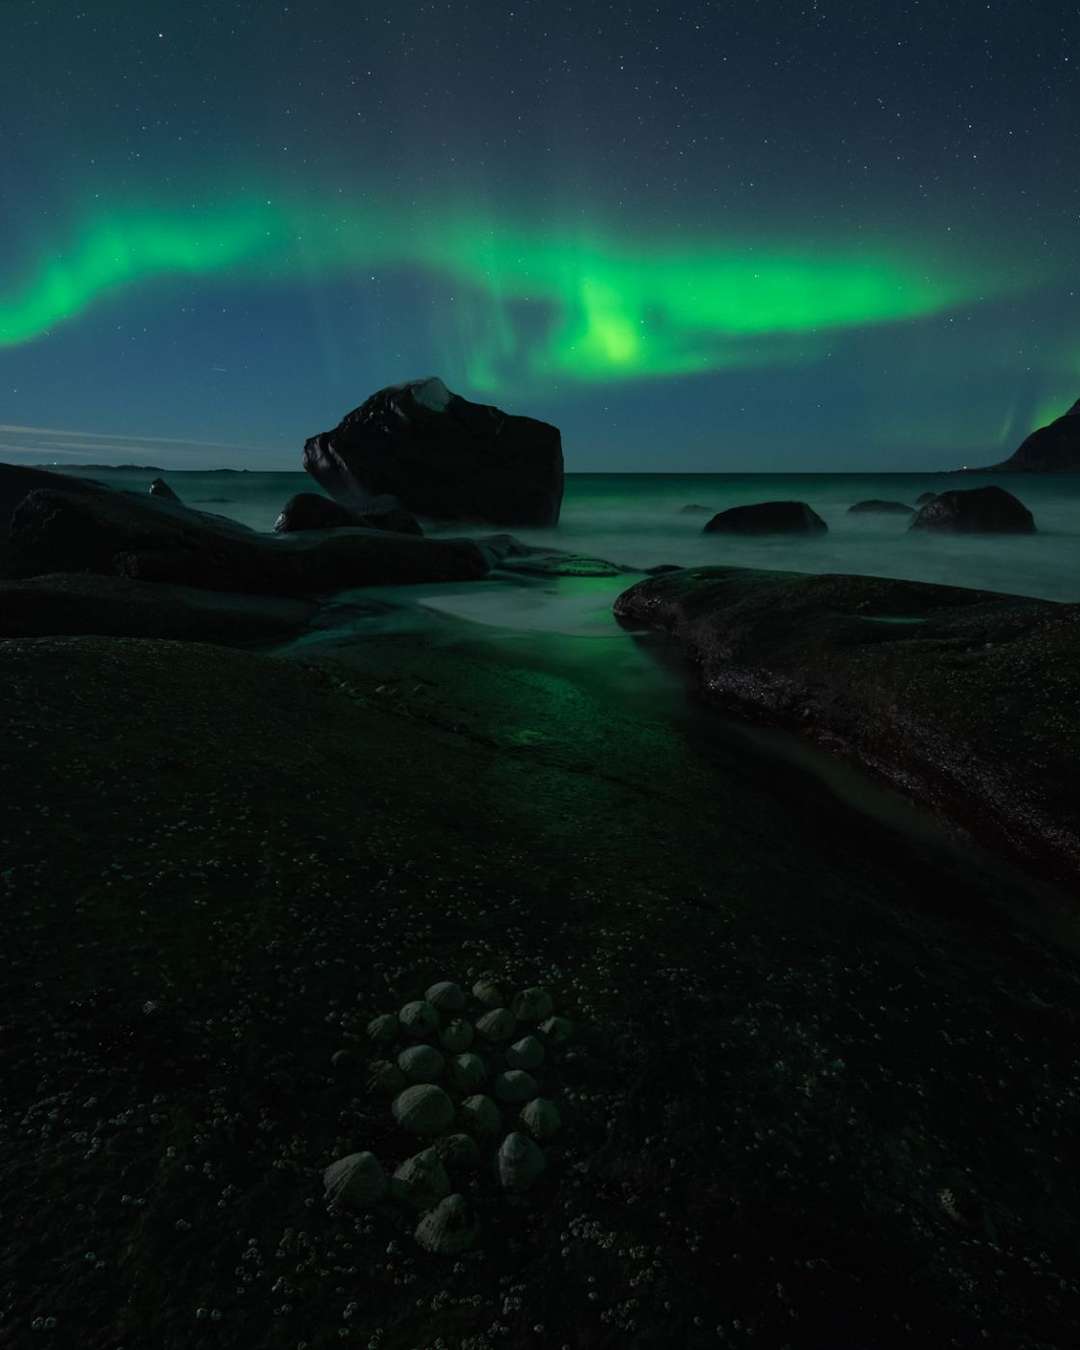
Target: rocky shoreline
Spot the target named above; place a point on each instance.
(821, 1087)
(967, 700)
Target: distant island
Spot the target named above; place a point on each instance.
(1054, 448)
(99, 468)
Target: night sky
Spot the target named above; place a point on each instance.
(728, 236)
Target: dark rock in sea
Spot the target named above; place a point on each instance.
(150, 539)
(767, 518)
(876, 507)
(313, 511)
(695, 510)
(966, 700)
(159, 488)
(924, 497)
(985, 510)
(441, 457)
(82, 603)
(1054, 448)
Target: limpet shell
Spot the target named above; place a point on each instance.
(383, 1030)
(528, 1053)
(540, 1117)
(515, 1086)
(519, 1162)
(446, 996)
(418, 1019)
(357, 1181)
(423, 1109)
(421, 1180)
(421, 1064)
(532, 1005)
(458, 1151)
(449, 1228)
(467, 1071)
(497, 1025)
(480, 1115)
(457, 1035)
(487, 992)
(383, 1076)
(558, 1030)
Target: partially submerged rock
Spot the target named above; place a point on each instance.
(313, 511)
(149, 539)
(883, 508)
(767, 518)
(971, 705)
(441, 456)
(159, 488)
(985, 510)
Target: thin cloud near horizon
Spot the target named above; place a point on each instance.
(115, 440)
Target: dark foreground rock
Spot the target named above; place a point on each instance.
(820, 1093)
(924, 497)
(313, 511)
(967, 700)
(873, 506)
(83, 603)
(1054, 448)
(148, 539)
(767, 518)
(442, 457)
(159, 488)
(985, 510)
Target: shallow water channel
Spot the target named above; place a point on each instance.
(540, 667)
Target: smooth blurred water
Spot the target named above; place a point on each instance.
(635, 519)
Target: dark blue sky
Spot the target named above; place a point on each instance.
(715, 236)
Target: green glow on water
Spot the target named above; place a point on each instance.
(529, 302)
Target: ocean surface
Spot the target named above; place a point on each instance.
(635, 519)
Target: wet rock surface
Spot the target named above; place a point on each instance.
(967, 700)
(149, 539)
(84, 603)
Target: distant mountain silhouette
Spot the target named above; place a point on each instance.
(1054, 448)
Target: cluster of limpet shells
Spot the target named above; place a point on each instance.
(446, 1053)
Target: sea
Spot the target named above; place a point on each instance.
(636, 519)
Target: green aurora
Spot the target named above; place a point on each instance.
(547, 302)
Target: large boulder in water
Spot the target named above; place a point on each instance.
(159, 488)
(985, 510)
(881, 508)
(442, 457)
(313, 511)
(767, 518)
